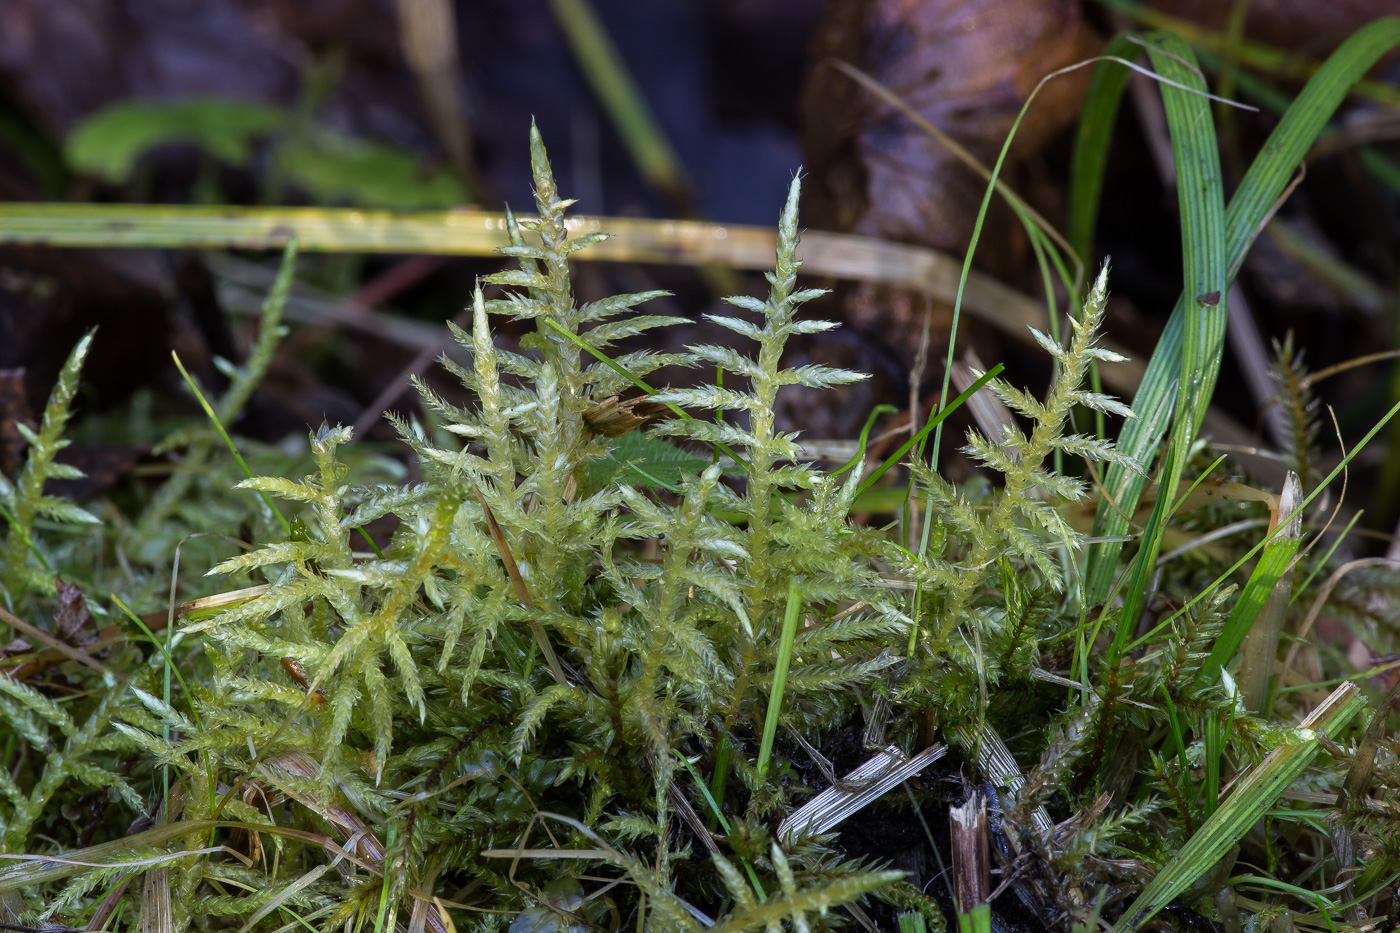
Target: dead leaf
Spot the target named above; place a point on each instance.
(966, 66)
(614, 417)
(72, 622)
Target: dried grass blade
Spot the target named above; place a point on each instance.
(57, 644)
(466, 232)
(287, 893)
(997, 763)
(866, 784)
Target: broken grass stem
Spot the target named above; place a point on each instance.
(521, 590)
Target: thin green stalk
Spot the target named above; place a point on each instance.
(606, 72)
(1262, 587)
(780, 672)
(1214, 738)
(724, 751)
(934, 422)
(1266, 626)
(1278, 530)
(228, 441)
(172, 668)
(976, 920)
(1277, 885)
(1090, 159)
(719, 816)
(859, 455)
(912, 922)
(165, 652)
(1034, 224)
(1178, 736)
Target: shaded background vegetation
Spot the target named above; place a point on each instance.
(360, 109)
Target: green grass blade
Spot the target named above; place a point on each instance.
(1250, 206)
(1277, 63)
(780, 672)
(704, 792)
(719, 816)
(1258, 617)
(933, 422)
(859, 455)
(1252, 796)
(606, 72)
(976, 920)
(1200, 196)
(228, 441)
(1278, 531)
(912, 922)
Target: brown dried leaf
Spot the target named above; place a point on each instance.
(614, 417)
(965, 65)
(72, 622)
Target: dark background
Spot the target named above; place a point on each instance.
(741, 90)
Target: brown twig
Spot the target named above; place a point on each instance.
(518, 582)
(57, 644)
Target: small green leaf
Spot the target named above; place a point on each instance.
(636, 459)
(338, 169)
(109, 142)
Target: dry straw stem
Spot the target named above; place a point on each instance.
(58, 645)
(1252, 796)
(1000, 767)
(967, 825)
(863, 786)
(112, 634)
(428, 37)
(518, 583)
(466, 232)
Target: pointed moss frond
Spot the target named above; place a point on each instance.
(1023, 522)
(1299, 408)
(243, 380)
(24, 500)
(550, 615)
